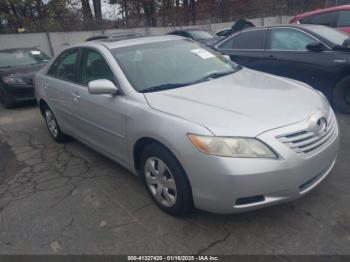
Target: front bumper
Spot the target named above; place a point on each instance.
(231, 185)
(20, 93)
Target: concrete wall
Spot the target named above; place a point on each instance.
(51, 43)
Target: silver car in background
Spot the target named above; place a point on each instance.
(198, 129)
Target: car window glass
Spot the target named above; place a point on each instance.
(223, 32)
(22, 57)
(95, 67)
(180, 61)
(344, 19)
(65, 65)
(228, 44)
(254, 39)
(327, 19)
(289, 39)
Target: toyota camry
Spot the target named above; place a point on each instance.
(199, 130)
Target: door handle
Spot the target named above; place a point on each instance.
(76, 96)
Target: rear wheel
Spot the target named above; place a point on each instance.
(341, 95)
(166, 180)
(53, 126)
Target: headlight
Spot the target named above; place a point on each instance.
(13, 80)
(232, 146)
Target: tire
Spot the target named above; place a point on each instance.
(341, 95)
(170, 190)
(6, 101)
(53, 126)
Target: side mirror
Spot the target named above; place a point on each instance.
(102, 87)
(315, 47)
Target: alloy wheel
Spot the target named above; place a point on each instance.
(51, 123)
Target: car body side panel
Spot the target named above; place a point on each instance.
(100, 120)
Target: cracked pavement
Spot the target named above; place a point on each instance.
(68, 199)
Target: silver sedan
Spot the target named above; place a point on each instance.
(198, 129)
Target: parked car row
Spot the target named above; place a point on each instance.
(200, 130)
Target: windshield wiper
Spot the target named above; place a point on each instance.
(176, 85)
(217, 75)
(3, 67)
(164, 87)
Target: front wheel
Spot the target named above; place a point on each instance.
(53, 127)
(166, 180)
(341, 95)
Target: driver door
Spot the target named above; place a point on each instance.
(100, 118)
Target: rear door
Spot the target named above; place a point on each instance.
(287, 55)
(57, 86)
(246, 48)
(101, 118)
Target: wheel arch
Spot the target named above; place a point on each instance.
(142, 143)
(42, 105)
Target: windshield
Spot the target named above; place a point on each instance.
(331, 34)
(202, 35)
(19, 57)
(170, 64)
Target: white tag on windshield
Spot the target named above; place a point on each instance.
(202, 53)
(35, 52)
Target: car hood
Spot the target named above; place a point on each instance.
(246, 103)
(27, 71)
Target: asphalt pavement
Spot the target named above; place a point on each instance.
(68, 199)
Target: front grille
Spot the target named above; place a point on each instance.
(305, 142)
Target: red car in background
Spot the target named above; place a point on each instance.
(337, 17)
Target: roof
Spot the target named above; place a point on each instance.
(325, 10)
(130, 42)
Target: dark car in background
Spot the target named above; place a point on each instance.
(200, 35)
(17, 70)
(239, 25)
(314, 54)
(337, 17)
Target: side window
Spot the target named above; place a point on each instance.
(327, 19)
(289, 39)
(95, 67)
(253, 39)
(344, 19)
(65, 65)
